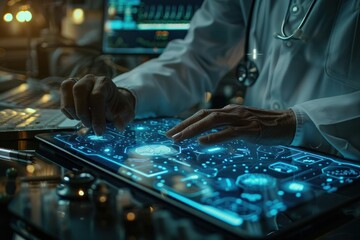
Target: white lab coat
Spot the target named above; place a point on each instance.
(318, 77)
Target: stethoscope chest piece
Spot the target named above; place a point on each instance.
(247, 73)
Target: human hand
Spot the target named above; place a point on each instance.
(96, 99)
(238, 122)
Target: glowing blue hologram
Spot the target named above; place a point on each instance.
(140, 128)
(102, 138)
(271, 150)
(244, 151)
(281, 193)
(282, 167)
(87, 150)
(108, 150)
(255, 181)
(214, 149)
(308, 159)
(224, 215)
(208, 172)
(329, 180)
(234, 181)
(296, 186)
(189, 186)
(209, 150)
(347, 171)
(274, 207)
(245, 210)
(251, 197)
(226, 184)
(189, 178)
(152, 150)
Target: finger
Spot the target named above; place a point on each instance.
(81, 93)
(97, 105)
(125, 116)
(119, 123)
(250, 132)
(213, 120)
(187, 122)
(67, 105)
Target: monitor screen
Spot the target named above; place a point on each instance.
(237, 185)
(145, 26)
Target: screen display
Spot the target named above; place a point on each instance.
(145, 26)
(236, 183)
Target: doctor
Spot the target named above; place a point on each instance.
(300, 61)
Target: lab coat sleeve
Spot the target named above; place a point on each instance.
(330, 124)
(188, 68)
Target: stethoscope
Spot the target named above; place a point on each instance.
(247, 71)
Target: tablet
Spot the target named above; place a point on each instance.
(249, 190)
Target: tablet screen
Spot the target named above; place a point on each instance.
(236, 185)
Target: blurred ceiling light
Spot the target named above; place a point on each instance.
(24, 16)
(8, 17)
(78, 16)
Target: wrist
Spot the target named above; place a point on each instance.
(290, 125)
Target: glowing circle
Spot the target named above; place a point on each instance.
(255, 181)
(8, 17)
(296, 187)
(24, 16)
(154, 150)
(78, 16)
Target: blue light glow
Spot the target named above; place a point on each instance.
(215, 149)
(234, 182)
(154, 150)
(224, 215)
(255, 181)
(283, 167)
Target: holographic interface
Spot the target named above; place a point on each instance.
(235, 182)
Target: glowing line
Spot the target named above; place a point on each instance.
(191, 177)
(225, 216)
(213, 149)
(228, 182)
(182, 163)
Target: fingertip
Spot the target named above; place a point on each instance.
(177, 137)
(169, 134)
(203, 140)
(119, 124)
(98, 129)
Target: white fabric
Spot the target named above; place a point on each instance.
(318, 76)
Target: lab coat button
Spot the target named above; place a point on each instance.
(294, 9)
(288, 43)
(276, 106)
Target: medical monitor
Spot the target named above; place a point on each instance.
(145, 26)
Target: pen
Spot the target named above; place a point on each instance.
(13, 155)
